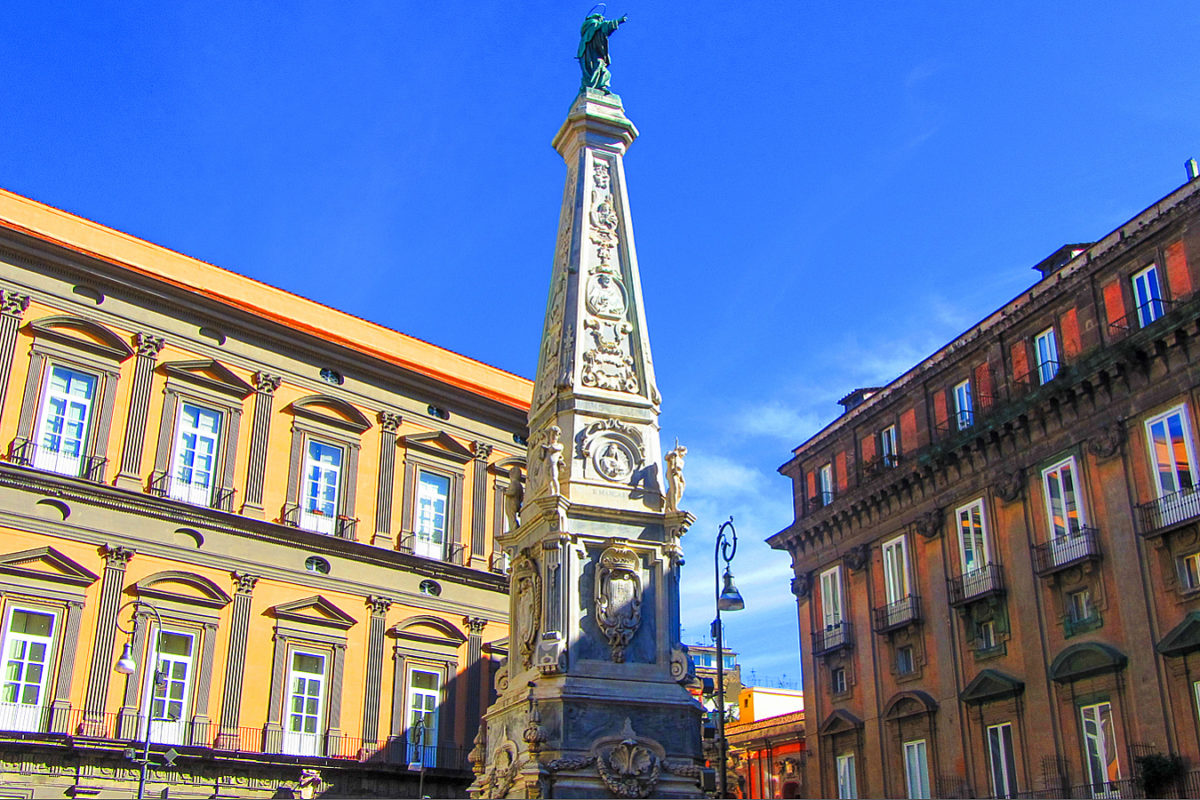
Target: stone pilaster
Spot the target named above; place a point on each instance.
(127, 719)
(235, 660)
(100, 672)
(201, 734)
(336, 680)
(475, 673)
(389, 423)
(148, 347)
(374, 685)
(260, 430)
(479, 554)
(12, 307)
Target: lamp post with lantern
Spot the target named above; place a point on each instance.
(728, 599)
(127, 665)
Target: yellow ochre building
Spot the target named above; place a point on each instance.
(306, 500)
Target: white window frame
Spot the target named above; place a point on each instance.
(428, 541)
(305, 743)
(190, 490)
(1189, 572)
(964, 414)
(832, 606)
(1100, 748)
(839, 682)
(54, 459)
(847, 778)
(897, 582)
(967, 513)
(916, 769)
(912, 659)
(411, 712)
(1147, 295)
(1175, 499)
(988, 640)
(1045, 348)
(889, 447)
(162, 729)
(825, 483)
(21, 716)
(1002, 763)
(1074, 613)
(1066, 512)
(315, 519)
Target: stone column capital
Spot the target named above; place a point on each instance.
(13, 304)
(245, 582)
(117, 557)
(148, 345)
(483, 451)
(389, 421)
(265, 383)
(379, 604)
(475, 625)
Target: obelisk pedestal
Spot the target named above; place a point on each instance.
(590, 700)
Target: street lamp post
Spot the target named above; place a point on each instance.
(421, 754)
(126, 665)
(728, 599)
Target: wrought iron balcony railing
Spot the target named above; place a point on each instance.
(449, 552)
(832, 638)
(820, 500)
(896, 615)
(1155, 517)
(162, 484)
(987, 581)
(1066, 551)
(1143, 316)
(27, 453)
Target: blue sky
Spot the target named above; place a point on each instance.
(823, 192)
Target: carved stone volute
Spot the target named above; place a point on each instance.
(1009, 484)
(929, 525)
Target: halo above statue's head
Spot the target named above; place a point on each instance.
(602, 6)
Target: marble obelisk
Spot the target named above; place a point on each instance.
(590, 700)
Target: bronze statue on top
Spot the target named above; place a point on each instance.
(593, 49)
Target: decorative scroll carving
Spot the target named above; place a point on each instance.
(1107, 443)
(675, 476)
(501, 679)
(527, 605)
(619, 598)
(506, 766)
(607, 365)
(265, 383)
(1010, 484)
(802, 585)
(631, 767)
(856, 557)
(553, 348)
(682, 668)
(929, 524)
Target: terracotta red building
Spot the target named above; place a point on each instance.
(997, 555)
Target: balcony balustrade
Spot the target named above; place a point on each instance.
(1066, 551)
(897, 615)
(1157, 516)
(832, 638)
(978, 584)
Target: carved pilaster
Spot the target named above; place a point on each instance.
(479, 554)
(264, 388)
(475, 673)
(374, 683)
(100, 672)
(12, 307)
(147, 346)
(389, 424)
(235, 659)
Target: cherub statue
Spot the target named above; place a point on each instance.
(675, 476)
(514, 495)
(552, 452)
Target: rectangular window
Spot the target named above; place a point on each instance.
(1147, 296)
(889, 448)
(305, 704)
(1063, 500)
(985, 635)
(1189, 572)
(423, 700)
(28, 639)
(974, 548)
(194, 463)
(1047, 355)
(1100, 749)
(322, 485)
(831, 598)
(1079, 605)
(837, 680)
(895, 570)
(905, 662)
(825, 485)
(433, 493)
(962, 405)
(847, 780)
(916, 769)
(172, 692)
(1001, 760)
(1171, 458)
(66, 417)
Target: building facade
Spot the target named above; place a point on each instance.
(997, 556)
(767, 755)
(307, 501)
